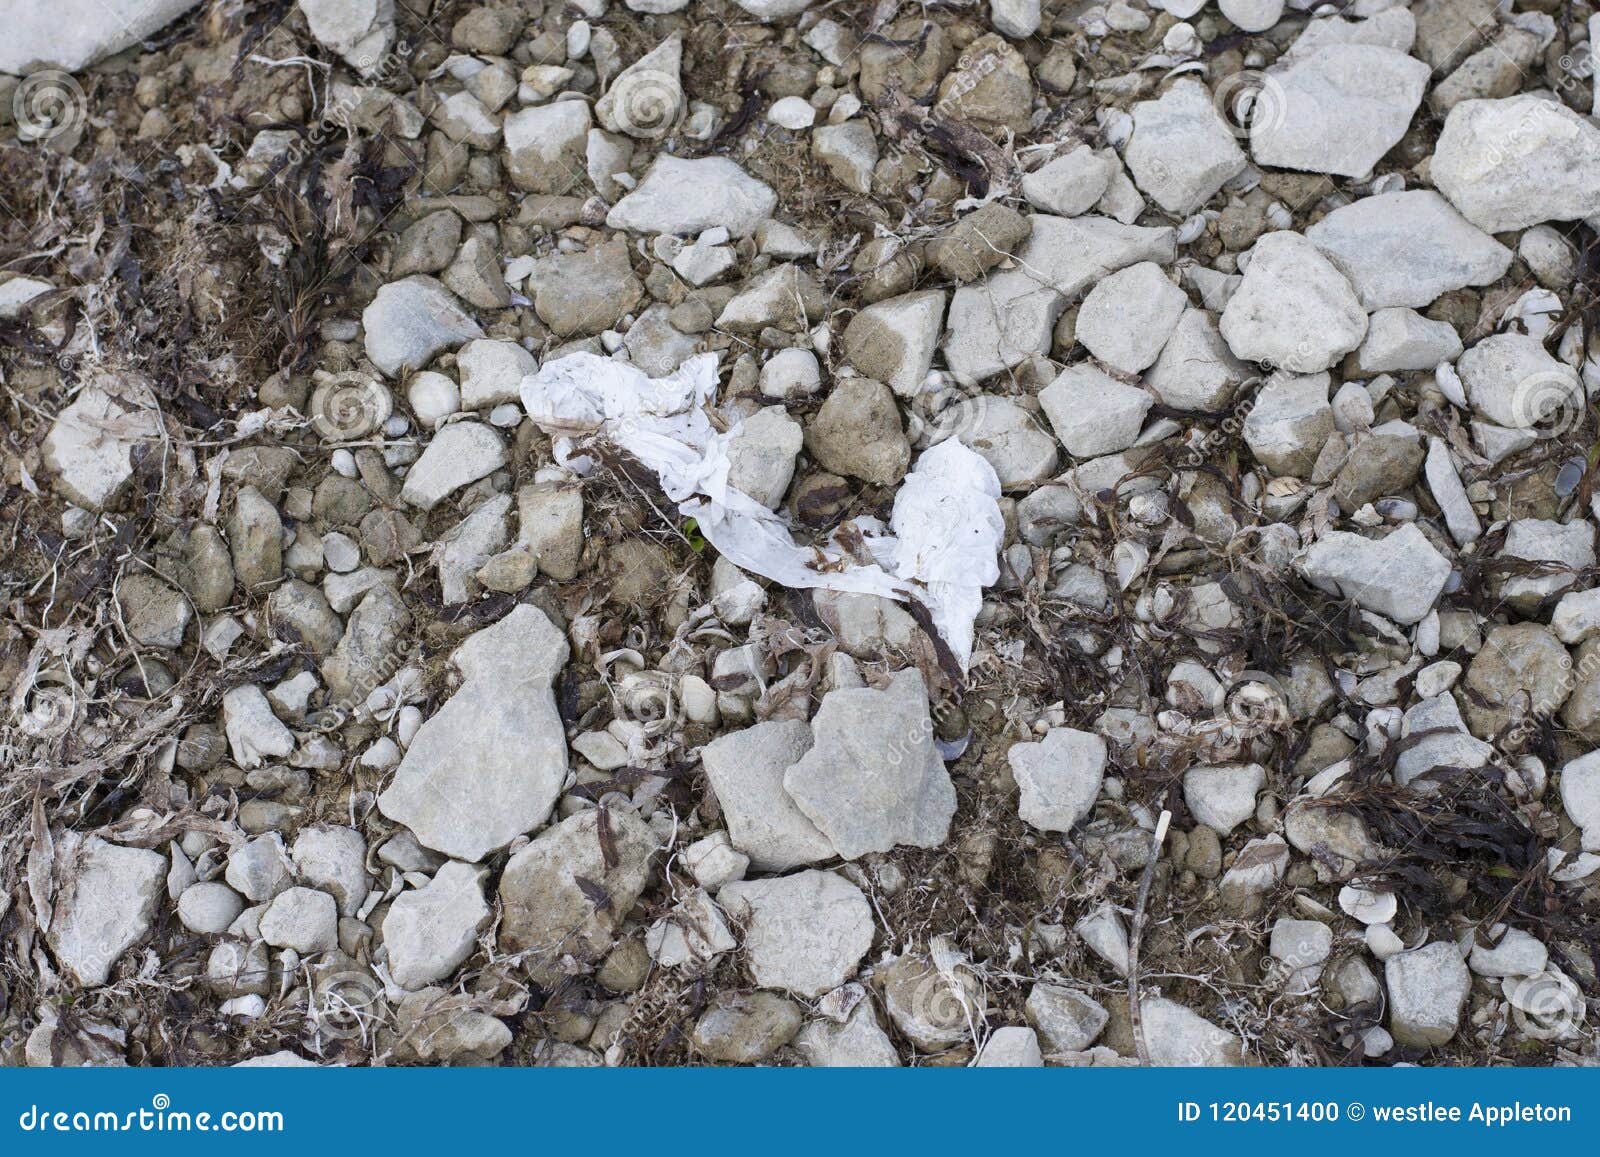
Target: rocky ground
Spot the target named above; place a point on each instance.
(380, 690)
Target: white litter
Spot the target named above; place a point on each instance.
(944, 535)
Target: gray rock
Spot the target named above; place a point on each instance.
(585, 293)
(259, 869)
(1127, 318)
(978, 241)
(1068, 1021)
(1399, 576)
(1507, 164)
(105, 903)
(303, 919)
(458, 455)
(361, 31)
(367, 655)
(1290, 422)
(1177, 1036)
(804, 933)
(744, 1030)
(255, 538)
(857, 1042)
(1182, 151)
(1059, 778)
(1400, 339)
(1428, 989)
(873, 779)
(848, 151)
(546, 146)
(1294, 310)
(492, 372)
(475, 275)
(427, 246)
(75, 33)
(1580, 797)
(1337, 109)
(746, 770)
(1196, 369)
(761, 455)
(1407, 248)
(893, 341)
(468, 546)
(1012, 1047)
(254, 732)
(1224, 796)
(333, 859)
(410, 321)
(1010, 438)
(1069, 184)
(1512, 380)
(550, 526)
(933, 1008)
(154, 613)
(209, 907)
(300, 610)
(566, 895)
(1093, 413)
(430, 931)
(645, 100)
(435, 1027)
(857, 433)
(488, 765)
(90, 445)
(691, 196)
(1512, 953)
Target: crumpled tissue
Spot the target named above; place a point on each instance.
(944, 533)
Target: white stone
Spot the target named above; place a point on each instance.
(794, 113)
(547, 146)
(333, 858)
(1407, 248)
(491, 373)
(1577, 616)
(713, 862)
(692, 935)
(1070, 184)
(1106, 935)
(1127, 318)
(303, 919)
(1177, 1036)
(691, 196)
(1512, 952)
(1182, 151)
(1399, 576)
(90, 445)
(254, 733)
(1018, 19)
(1445, 483)
(487, 767)
(804, 933)
(1290, 421)
(1196, 369)
(1369, 907)
(430, 931)
(410, 321)
(1011, 1047)
(1224, 796)
(73, 34)
(791, 373)
(873, 779)
(1293, 310)
(773, 10)
(761, 455)
(105, 902)
(1580, 797)
(746, 770)
(646, 99)
(858, 1042)
(1428, 988)
(1093, 413)
(209, 907)
(1507, 164)
(1252, 15)
(1337, 110)
(1059, 777)
(459, 454)
(1400, 340)
(1512, 380)
(361, 31)
(850, 151)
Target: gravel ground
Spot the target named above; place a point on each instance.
(692, 532)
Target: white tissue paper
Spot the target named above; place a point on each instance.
(946, 527)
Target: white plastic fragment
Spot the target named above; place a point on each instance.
(941, 547)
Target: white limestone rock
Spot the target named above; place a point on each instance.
(1406, 248)
(90, 445)
(691, 196)
(1512, 380)
(804, 933)
(430, 931)
(488, 766)
(746, 770)
(1092, 412)
(412, 320)
(105, 902)
(1399, 576)
(1059, 777)
(1338, 109)
(1127, 318)
(1511, 163)
(1294, 310)
(1428, 989)
(458, 456)
(1182, 151)
(873, 779)
(1223, 796)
